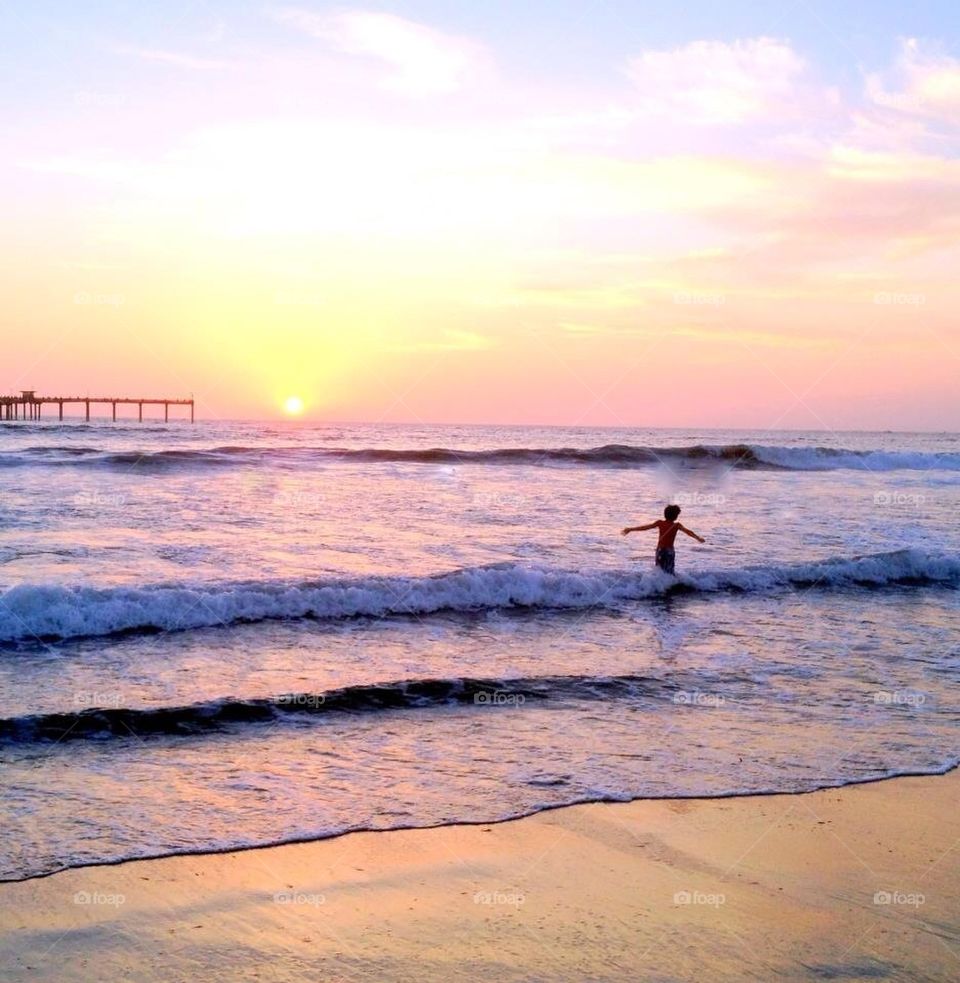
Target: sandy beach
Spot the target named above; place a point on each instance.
(859, 883)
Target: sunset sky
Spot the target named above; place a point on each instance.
(626, 213)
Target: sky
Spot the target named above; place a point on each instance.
(701, 214)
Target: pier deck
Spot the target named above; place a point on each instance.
(28, 405)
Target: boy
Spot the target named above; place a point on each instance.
(668, 528)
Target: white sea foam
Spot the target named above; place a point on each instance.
(829, 458)
(53, 611)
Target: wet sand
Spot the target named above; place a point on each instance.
(861, 883)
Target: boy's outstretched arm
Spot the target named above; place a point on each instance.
(650, 525)
(692, 534)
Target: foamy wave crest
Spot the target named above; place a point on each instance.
(830, 458)
(751, 456)
(50, 612)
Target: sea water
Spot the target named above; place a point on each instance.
(232, 634)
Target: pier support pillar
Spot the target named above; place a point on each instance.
(88, 410)
(114, 412)
(166, 412)
(140, 412)
(191, 411)
(61, 409)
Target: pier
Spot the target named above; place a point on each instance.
(28, 405)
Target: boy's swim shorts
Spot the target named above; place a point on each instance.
(665, 560)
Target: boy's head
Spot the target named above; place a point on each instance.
(671, 512)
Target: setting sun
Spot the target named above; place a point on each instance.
(293, 405)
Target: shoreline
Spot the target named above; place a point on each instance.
(852, 882)
(467, 823)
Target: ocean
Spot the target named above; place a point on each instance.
(237, 634)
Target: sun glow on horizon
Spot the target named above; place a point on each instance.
(293, 406)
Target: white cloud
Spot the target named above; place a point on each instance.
(420, 60)
(715, 82)
(925, 83)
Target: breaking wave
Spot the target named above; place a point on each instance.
(215, 715)
(49, 612)
(755, 456)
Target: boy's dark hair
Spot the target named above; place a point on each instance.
(671, 512)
